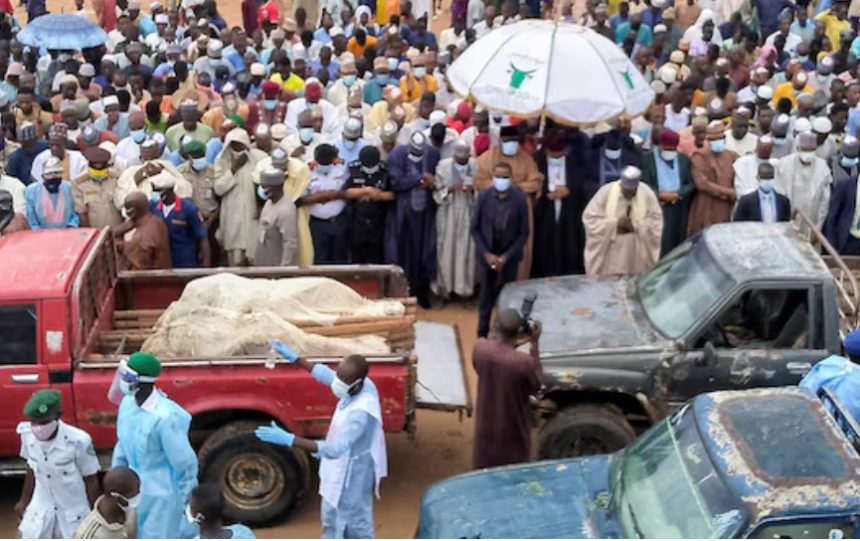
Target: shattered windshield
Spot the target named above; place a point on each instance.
(665, 486)
(682, 288)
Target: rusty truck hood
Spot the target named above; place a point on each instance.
(584, 313)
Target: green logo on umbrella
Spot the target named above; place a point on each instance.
(627, 78)
(518, 76)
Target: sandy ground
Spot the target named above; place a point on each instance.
(442, 447)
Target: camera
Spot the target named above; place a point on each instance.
(526, 313)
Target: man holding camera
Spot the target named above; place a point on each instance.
(506, 379)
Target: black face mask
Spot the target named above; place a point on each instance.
(53, 186)
(6, 214)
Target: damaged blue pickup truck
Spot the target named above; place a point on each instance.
(767, 463)
(740, 306)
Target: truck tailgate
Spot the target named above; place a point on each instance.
(442, 383)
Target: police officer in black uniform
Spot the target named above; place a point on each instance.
(369, 195)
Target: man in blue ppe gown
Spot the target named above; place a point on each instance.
(352, 457)
(152, 433)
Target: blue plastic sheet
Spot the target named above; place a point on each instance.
(841, 377)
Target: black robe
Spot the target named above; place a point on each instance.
(674, 215)
(559, 244)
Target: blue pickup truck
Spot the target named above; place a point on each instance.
(765, 463)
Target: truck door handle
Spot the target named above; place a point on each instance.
(25, 378)
(799, 368)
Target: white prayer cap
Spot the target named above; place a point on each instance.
(822, 124)
(802, 125)
(630, 177)
(279, 132)
(764, 92)
(109, 101)
(163, 181)
(437, 117)
(668, 74)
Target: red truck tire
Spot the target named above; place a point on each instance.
(262, 483)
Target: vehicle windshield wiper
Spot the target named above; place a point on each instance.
(618, 500)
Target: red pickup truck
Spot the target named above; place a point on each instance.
(67, 316)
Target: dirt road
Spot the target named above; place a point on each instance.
(442, 447)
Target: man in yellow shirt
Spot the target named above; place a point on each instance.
(790, 90)
(285, 77)
(414, 85)
(835, 21)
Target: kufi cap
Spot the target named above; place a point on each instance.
(806, 140)
(659, 87)
(110, 101)
(852, 343)
(800, 76)
(149, 144)
(261, 130)
(630, 176)
(213, 48)
(388, 132)
(417, 141)
(850, 147)
(279, 33)
(44, 404)
(348, 66)
(462, 149)
(272, 177)
(87, 70)
(270, 89)
(279, 132)
(437, 117)
(155, 6)
(109, 58)
(258, 70)
(145, 365)
(380, 63)
(822, 124)
(27, 131)
(669, 138)
(91, 135)
(190, 94)
(668, 74)
(162, 18)
(658, 3)
(133, 5)
(279, 157)
(313, 91)
(174, 50)
(716, 130)
(780, 126)
(203, 23)
(802, 125)
(660, 28)
(352, 128)
(163, 181)
(193, 147)
(228, 88)
(97, 155)
(53, 168)
(764, 92)
(68, 79)
(58, 129)
(15, 68)
(677, 57)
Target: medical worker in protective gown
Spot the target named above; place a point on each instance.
(352, 456)
(152, 433)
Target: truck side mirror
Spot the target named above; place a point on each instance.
(709, 354)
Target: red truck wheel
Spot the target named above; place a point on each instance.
(261, 483)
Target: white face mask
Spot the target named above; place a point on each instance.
(306, 135)
(130, 503)
(668, 155)
(341, 389)
(461, 167)
(193, 519)
(612, 153)
(806, 156)
(45, 431)
(509, 148)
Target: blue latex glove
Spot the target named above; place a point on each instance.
(284, 350)
(275, 435)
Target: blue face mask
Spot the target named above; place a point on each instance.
(509, 148)
(382, 78)
(270, 104)
(261, 193)
(393, 63)
(419, 72)
(349, 80)
(803, 59)
(718, 146)
(349, 144)
(556, 162)
(323, 169)
(199, 164)
(137, 136)
(416, 157)
(849, 162)
(501, 184)
(155, 197)
(306, 135)
(765, 185)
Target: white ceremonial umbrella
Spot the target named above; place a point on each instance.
(565, 71)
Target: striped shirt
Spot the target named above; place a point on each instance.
(94, 526)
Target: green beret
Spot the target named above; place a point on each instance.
(44, 404)
(193, 147)
(238, 120)
(145, 364)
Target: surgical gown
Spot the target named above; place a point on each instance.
(352, 518)
(153, 441)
